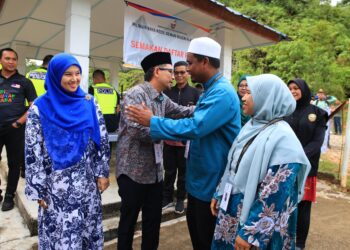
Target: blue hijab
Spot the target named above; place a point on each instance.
(68, 120)
(275, 145)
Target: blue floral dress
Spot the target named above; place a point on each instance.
(73, 219)
(271, 223)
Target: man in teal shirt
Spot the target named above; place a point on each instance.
(212, 129)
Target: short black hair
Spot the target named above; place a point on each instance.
(8, 49)
(180, 63)
(99, 72)
(149, 74)
(215, 62)
(47, 59)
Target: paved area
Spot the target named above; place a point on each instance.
(330, 225)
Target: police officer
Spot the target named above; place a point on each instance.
(37, 76)
(108, 99)
(14, 90)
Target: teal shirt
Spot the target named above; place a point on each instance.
(324, 104)
(215, 124)
(244, 118)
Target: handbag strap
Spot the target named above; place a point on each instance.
(246, 146)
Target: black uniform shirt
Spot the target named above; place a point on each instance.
(13, 93)
(309, 124)
(187, 96)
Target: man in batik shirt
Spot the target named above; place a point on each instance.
(139, 169)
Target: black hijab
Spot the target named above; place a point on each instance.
(305, 92)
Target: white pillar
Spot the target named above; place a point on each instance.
(224, 37)
(77, 35)
(114, 74)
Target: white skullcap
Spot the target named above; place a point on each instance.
(205, 46)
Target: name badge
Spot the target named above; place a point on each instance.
(15, 85)
(158, 153)
(187, 148)
(226, 196)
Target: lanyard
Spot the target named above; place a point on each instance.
(214, 81)
(246, 146)
(210, 85)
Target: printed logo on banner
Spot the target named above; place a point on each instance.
(173, 25)
(147, 31)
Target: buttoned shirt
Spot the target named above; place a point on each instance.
(212, 129)
(135, 147)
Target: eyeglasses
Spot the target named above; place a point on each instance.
(180, 72)
(243, 86)
(169, 70)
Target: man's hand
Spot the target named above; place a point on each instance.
(42, 204)
(14, 125)
(140, 114)
(241, 244)
(102, 183)
(214, 207)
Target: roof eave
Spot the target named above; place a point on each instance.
(220, 11)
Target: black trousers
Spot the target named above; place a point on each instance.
(13, 140)
(135, 197)
(200, 222)
(303, 224)
(112, 122)
(174, 163)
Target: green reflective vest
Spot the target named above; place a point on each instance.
(106, 97)
(37, 77)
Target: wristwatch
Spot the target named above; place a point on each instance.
(18, 124)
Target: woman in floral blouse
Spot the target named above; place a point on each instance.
(256, 200)
(67, 156)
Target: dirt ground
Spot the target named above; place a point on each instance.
(330, 217)
(334, 154)
(329, 230)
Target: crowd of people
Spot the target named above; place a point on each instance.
(245, 160)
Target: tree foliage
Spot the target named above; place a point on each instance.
(129, 78)
(319, 51)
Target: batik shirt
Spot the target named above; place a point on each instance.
(271, 223)
(135, 148)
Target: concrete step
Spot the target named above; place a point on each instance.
(112, 244)
(110, 225)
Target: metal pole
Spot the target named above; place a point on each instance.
(346, 152)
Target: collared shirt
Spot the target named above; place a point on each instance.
(13, 93)
(135, 148)
(186, 96)
(215, 124)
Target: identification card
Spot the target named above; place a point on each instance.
(187, 148)
(158, 153)
(226, 196)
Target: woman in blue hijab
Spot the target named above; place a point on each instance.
(67, 160)
(256, 200)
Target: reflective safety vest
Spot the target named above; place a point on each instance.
(37, 77)
(106, 96)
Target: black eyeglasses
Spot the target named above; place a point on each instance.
(180, 72)
(169, 70)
